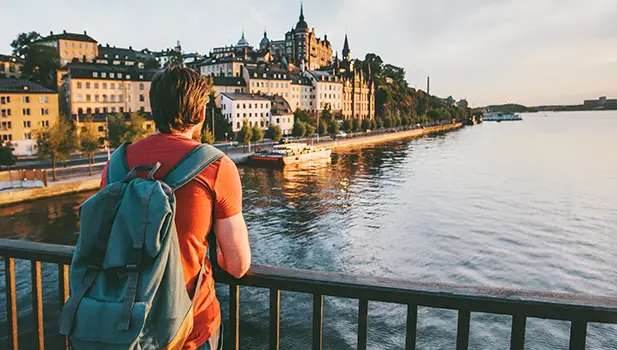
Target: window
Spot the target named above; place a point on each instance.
(101, 128)
(113, 109)
(120, 98)
(45, 123)
(112, 86)
(88, 98)
(128, 76)
(5, 113)
(79, 97)
(104, 98)
(96, 85)
(103, 75)
(87, 85)
(5, 99)
(96, 98)
(142, 98)
(111, 75)
(141, 86)
(95, 75)
(25, 99)
(6, 125)
(27, 124)
(237, 125)
(113, 98)
(121, 109)
(25, 111)
(141, 76)
(277, 120)
(44, 111)
(8, 137)
(88, 110)
(120, 85)
(104, 109)
(79, 84)
(96, 110)
(142, 109)
(28, 136)
(104, 85)
(120, 76)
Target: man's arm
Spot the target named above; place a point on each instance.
(229, 226)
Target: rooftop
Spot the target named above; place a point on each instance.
(84, 70)
(68, 36)
(7, 58)
(11, 85)
(229, 81)
(245, 97)
(126, 54)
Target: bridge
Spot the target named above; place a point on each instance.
(520, 305)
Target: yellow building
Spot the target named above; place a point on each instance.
(24, 108)
(71, 45)
(89, 88)
(10, 66)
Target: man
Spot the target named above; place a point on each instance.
(213, 199)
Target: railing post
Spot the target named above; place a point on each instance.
(412, 320)
(37, 303)
(317, 321)
(234, 316)
(275, 318)
(63, 291)
(11, 303)
(517, 337)
(362, 323)
(578, 335)
(462, 332)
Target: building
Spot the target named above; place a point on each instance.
(240, 50)
(226, 66)
(127, 57)
(328, 91)
(71, 46)
(228, 85)
(282, 114)
(11, 66)
(24, 108)
(301, 46)
(238, 109)
(600, 102)
(89, 88)
(266, 79)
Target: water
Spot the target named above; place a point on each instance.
(529, 204)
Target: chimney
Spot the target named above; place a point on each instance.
(64, 31)
(85, 33)
(130, 48)
(51, 32)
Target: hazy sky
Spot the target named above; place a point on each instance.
(488, 51)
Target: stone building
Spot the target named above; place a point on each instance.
(71, 46)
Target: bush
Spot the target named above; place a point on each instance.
(356, 124)
(366, 124)
(245, 135)
(347, 125)
(310, 130)
(299, 129)
(258, 133)
(373, 124)
(379, 123)
(387, 122)
(274, 133)
(323, 127)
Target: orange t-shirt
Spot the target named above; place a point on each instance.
(218, 187)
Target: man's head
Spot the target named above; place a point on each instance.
(178, 97)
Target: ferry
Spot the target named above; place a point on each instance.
(499, 117)
(291, 153)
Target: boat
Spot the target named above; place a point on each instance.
(499, 117)
(291, 153)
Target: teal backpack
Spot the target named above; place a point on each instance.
(127, 284)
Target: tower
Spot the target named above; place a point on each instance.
(346, 50)
(301, 38)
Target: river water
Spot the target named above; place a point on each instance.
(529, 205)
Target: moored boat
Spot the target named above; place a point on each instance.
(291, 153)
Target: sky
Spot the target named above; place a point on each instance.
(533, 52)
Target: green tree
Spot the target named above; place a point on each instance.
(88, 144)
(207, 136)
(326, 114)
(378, 123)
(299, 129)
(301, 115)
(387, 122)
(258, 133)
(323, 127)
(40, 66)
(347, 125)
(121, 130)
(6, 155)
(372, 124)
(397, 120)
(56, 142)
(245, 135)
(356, 124)
(333, 127)
(310, 130)
(274, 133)
(23, 41)
(366, 124)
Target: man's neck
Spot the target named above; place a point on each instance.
(188, 134)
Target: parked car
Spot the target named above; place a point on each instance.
(341, 134)
(286, 140)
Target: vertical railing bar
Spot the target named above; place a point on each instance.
(234, 316)
(412, 321)
(362, 323)
(11, 303)
(317, 321)
(462, 332)
(37, 303)
(517, 337)
(275, 318)
(63, 292)
(578, 335)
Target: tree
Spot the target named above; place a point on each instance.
(258, 133)
(372, 124)
(21, 44)
(323, 127)
(387, 122)
(301, 115)
(6, 155)
(333, 127)
(222, 126)
(356, 124)
(347, 125)
(206, 135)
(378, 123)
(40, 66)
(245, 135)
(176, 57)
(56, 142)
(121, 130)
(326, 114)
(366, 124)
(151, 63)
(274, 133)
(88, 144)
(310, 130)
(299, 129)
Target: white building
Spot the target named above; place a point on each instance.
(228, 66)
(328, 90)
(245, 108)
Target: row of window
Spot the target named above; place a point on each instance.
(250, 115)
(112, 86)
(79, 45)
(24, 99)
(6, 112)
(105, 98)
(114, 75)
(26, 123)
(272, 84)
(78, 54)
(260, 105)
(97, 110)
(11, 68)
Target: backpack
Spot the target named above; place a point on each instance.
(127, 284)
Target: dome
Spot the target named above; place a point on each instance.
(242, 42)
(265, 41)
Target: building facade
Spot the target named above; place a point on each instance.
(226, 66)
(24, 108)
(228, 85)
(239, 109)
(11, 66)
(105, 88)
(328, 91)
(71, 46)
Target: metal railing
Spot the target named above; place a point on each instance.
(521, 305)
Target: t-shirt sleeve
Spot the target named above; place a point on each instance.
(228, 190)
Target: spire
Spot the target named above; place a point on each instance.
(301, 11)
(346, 50)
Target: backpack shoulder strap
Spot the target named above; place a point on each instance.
(117, 168)
(192, 165)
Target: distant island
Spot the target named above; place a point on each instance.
(588, 105)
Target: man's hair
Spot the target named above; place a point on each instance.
(177, 98)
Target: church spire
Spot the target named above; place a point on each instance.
(346, 50)
(301, 12)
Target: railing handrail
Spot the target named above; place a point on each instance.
(541, 304)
